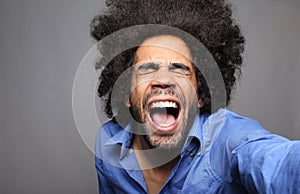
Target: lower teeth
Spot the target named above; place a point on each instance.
(164, 125)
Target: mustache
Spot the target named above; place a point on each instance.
(164, 92)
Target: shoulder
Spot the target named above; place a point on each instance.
(236, 129)
(110, 128)
(230, 131)
(224, 131)
(108, 134)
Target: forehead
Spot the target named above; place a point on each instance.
(163, 48)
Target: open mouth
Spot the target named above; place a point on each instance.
(164, 114)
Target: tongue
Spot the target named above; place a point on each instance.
(163, 118)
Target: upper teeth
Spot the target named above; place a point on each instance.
(163, 104)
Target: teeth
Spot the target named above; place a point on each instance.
(164, 125)
(165, 104)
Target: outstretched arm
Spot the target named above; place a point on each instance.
(268, 165)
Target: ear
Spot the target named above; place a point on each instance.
(200, 103)
(127, 101)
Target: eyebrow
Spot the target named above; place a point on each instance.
(148, 65)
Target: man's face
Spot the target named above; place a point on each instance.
(163, 95)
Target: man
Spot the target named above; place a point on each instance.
(165, 135)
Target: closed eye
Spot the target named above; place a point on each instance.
(179, 66)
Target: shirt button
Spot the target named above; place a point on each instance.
(192, 154)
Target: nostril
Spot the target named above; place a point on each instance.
(163, 85)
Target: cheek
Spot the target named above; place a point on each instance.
(189, 91)
(188, 87)
(137, 94)
(134, 97)
(193, 88)
(134, 91)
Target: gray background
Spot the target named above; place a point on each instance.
(41, 46)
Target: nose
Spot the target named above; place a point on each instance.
(162, 79)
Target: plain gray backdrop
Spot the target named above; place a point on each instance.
(42, 44)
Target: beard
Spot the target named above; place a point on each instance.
(163, 141)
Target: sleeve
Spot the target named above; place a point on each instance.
(270, 164)
(103, 184)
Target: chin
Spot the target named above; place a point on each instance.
(166, 141)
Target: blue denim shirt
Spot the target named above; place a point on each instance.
(226, 153)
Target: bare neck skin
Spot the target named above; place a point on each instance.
(154, 177)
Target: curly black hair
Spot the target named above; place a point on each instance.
(210, 21)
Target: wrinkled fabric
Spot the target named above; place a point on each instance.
(226, 153)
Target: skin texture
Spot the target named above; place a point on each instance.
(164, 49)
(163, 85)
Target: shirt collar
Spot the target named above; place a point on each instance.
(196, 131)
(123, 137)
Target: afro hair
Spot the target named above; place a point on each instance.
(209, 21)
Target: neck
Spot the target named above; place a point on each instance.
(156, 164)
